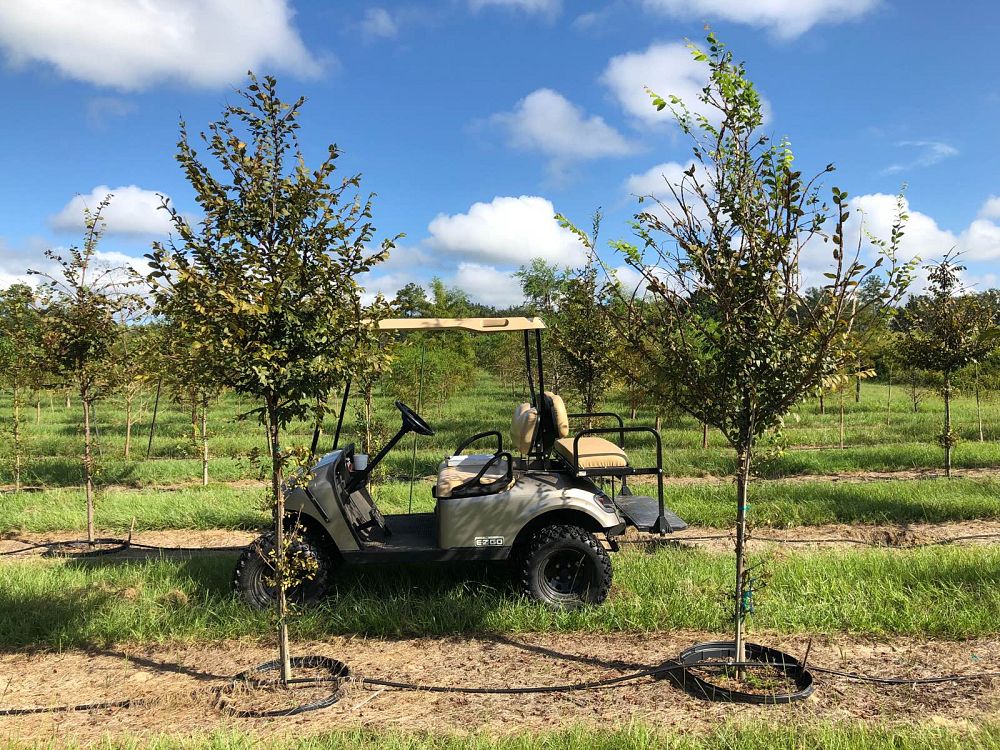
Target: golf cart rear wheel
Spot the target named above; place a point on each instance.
(253, 579)
(565, 567)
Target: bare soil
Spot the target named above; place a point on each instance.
(186, 542)
(179, 683)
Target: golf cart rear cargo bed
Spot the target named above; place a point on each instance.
(642, 512)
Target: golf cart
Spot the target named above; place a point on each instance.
(550, 502)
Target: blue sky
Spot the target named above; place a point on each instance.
(475, 120)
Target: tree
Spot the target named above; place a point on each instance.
(725, 326)
(945, 330)
(265, 285)
(21, 360)
(82, 305)
(584, 332)
(543, 285)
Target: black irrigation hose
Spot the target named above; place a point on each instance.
(340, 674)
(117, 545)
(656, 540)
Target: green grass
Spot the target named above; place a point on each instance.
(757, 735)
(909, 442)
(778, 504)
(941, 592)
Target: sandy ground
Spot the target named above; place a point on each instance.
(179, 683)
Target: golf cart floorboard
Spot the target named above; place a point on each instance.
(642, 512)
(413, 537)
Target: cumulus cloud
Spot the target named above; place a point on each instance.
(132, 211)
(487, 285)
(786, 19)
(667, 69)
(991, 208)
(542, 7)
(927, 154)
(133, 45)
(507, 230)
(379, 23)
(545, 121)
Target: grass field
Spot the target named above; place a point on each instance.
(812, 439)
(754, 736)
(941, 592)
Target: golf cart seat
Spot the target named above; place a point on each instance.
(587, 452)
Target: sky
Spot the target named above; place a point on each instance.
(475, 121)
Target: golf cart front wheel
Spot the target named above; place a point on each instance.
(566, 568)
(254, 581)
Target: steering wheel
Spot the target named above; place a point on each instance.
(413, 421)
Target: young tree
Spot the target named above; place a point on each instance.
(83, 303)
(944, 331)
(725, 326)
(21, 361)
(584, 332)
(266, 284)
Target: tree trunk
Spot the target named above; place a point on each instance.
(841, 417)
(742, 480)
(281, 563)
(88, 464)
(18, 447)
(947, 424)
(194, 419)
(888, 401)
(913, 396)
(704, 436)
(822, 404)
(204, 442)
(979, 409)
(659, 422)
(38, 411)
(632, 411)
(128, 424)
(857, 389)
(68, 404)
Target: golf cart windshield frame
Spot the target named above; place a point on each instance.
(471, 325)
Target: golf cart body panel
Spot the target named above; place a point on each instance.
(497, 520)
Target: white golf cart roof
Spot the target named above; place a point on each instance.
(476, 325)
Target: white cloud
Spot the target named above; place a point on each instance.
(132, 211)
(378, 23)
(487, 285)
(101, 109)
(991, 208)
(132, 45)
(547, 122)
(507, 230)
(656, 180)
(544, 7)
(667, 69)
(784, 18)
(928, 154)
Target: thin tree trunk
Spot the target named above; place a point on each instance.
(88, 464)
(18, 447)
(659, 422)
(128, 424)
(822, 404)
(38, 411)
(913, 396)
(279, 504)
(841, 417)
(704, 436)
(632, 411)
(947, 424)
(742, 480)
(68, 404)
(204, 443)
(979, 409)
(857, 389)
(888, 401)
(194, 419)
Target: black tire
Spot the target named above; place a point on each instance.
(253, 569)
(565, 567)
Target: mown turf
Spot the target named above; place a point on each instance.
(746, 736)
(908, 441)
(773, 503)
(942, 592)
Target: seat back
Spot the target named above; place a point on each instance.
(522, 428)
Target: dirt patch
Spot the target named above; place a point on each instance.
(179, 680)
(187, 542)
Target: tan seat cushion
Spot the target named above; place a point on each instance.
(522, 428)
(450, 477)
(560, 419)
(595, 453)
